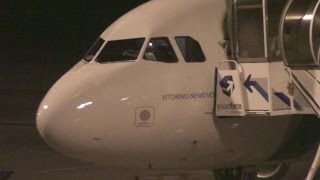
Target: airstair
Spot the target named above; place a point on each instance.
(276, 66)
(300, 47)
(309, 85)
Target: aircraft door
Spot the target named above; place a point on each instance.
(300, 33)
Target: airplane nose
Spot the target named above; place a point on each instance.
(61, 114)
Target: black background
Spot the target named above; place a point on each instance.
(40, 40)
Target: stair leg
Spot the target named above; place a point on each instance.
(315, 165)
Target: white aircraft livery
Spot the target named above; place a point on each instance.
(185, 85)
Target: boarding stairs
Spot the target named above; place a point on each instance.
(302, 55)
(247, 89)
(308, 82)
(255, 83)
(239, 94)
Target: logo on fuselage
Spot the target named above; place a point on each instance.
(145, 116)
(227, 85)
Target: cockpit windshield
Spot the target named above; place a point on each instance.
(93, 50)
(121, 50)
(160, 49)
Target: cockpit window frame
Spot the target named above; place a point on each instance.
(97, 51)
(169, 42)
(119, 61)
(198, 49)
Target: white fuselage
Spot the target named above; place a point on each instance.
(94, 111)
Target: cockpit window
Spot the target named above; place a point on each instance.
(190, 49)
(93, 50)
(121, 50)
(160, 49)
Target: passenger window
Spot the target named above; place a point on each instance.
(121, 50)
(160, 49)
(93, 50)
(190, 49)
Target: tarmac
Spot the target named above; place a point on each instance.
(23, 152)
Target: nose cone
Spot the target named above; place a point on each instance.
(62, 113)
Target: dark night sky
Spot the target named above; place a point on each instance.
(58, 25)
(40, 41)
